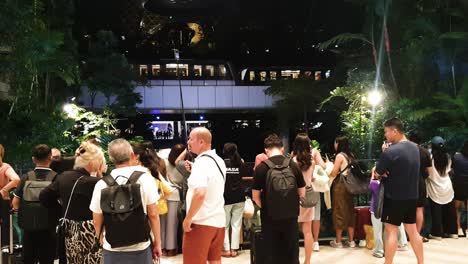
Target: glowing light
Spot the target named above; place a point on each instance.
(71, 110)
(374, 98)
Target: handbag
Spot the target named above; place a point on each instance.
(311, 198)
(60, 229)
(162, 203)
(378, 203)
(249, 208)
(353, 184)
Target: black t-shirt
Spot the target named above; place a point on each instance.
(425, 162)
(260, 179)
(460, 166)
(401, 161)
(233, 192)
(61, 188)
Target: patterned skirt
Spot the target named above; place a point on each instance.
(80, 243)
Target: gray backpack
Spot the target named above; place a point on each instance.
(32, 216)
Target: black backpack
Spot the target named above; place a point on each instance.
(125, 220)
(281, 195)
(33, 216)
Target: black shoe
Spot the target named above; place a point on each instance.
(425, 239)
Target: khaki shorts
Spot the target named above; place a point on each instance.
(202, 244)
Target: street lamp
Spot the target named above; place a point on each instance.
(374, 98)
(184, 123)
(71, 110)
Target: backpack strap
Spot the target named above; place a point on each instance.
(31, 176)
(272, 165)
(206, 155)
(286, 162)
(134, 177)
(269, 163)
(109, 180)
(349, 163)
(51, 175)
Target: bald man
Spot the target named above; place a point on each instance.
(205, 220)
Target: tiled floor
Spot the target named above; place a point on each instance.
(449, 251)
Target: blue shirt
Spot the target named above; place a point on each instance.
(401, 162)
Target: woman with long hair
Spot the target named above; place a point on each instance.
(147, 158)
(302, 155)
(234, 198)
(440, 192)
(460, 182)
(170, 221)
(342, 200)
(74, 188)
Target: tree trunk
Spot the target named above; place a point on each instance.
(46, 89)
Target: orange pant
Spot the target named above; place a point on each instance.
(202, 244)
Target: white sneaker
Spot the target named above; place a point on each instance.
(455, 236)
(460, 232)
(403, 248)
(334, 244)
(435, 237)
(352, 244)
(316, 247)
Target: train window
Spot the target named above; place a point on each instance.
(263, 76)
(318, 75)
(289, 74)
(273, 75)
(209, 69)
(156, 70)
(308, 73)
(251, 76)
(171, 69)
(143, 70)
(222, 70)
(197, 70)
(327, 74)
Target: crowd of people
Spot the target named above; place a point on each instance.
(193, 201)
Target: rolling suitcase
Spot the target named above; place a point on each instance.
(363, 217)
(258, 252)
(8, 255)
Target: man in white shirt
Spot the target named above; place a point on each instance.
(121, 154)
(205, 220)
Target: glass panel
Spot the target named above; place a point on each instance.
(209, 69)
(289, 74)
(252, 76)
(222, 71)
(263, 76)
(171, 69)
(197, 70)
(143, 70)
(273, 75)
(318, 75)
(156, 70)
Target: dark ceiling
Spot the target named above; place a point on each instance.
(247, 32)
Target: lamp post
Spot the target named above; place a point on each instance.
(184, 124)
(374, 98)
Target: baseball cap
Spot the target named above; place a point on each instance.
(438, 141)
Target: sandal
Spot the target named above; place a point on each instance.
(226, 253)
(233, 253)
